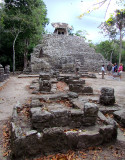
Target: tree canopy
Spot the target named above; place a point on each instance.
(23, 23)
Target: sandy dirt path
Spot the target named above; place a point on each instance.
(119, 86)
(15, 90)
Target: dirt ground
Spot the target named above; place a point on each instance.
(16, 90)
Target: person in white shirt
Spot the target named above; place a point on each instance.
(103, 71)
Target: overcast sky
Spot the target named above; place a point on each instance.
(67, 11)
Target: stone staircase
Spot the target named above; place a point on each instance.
(83, 71)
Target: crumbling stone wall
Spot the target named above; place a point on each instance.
(59, 52)
(4, 74)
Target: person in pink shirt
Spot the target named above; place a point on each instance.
(120, 69)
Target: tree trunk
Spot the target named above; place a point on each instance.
(111, 56)
(14, 52)
(25, 54)
(14, 56)
(120, 50)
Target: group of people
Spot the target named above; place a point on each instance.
(113, 70)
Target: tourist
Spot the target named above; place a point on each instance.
(112, 69)
(77, 66)
(109, 68)
(120, 69)
(103, 71)
(115, 67)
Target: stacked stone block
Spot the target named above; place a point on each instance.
(44, 82)
(7, 71)
(56, 115)
(107, 96)
(1, 73)
(4, 74)
(78, 86)
(28, 143)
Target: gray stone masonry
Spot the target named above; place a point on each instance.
(56, 129)
(59, 52)
(90, 109)
(4, 74)
(44, 76)
(57, 139)
(7, 70)
(120, 117)
(1, 73)
(75, 83)
(107, 96)
(56, 115)
(78, 86)
(44, 85)
(44, 82)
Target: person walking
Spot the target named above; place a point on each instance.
(120, 69)
(103, 71)
(115, 67)
(109, 68)
(77, 67)
(112, 69)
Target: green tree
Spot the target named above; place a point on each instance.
(25, 20)
(113, 27)
(110, 50)
(105, 49)
(118, 22)
(81, 33)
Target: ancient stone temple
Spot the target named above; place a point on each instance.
(61, 28)
(59, 51)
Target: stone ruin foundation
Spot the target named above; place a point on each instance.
(4, 73)
(58, 121)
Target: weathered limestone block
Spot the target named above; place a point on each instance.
(90, 110)
(76, 88)
(36, 103)
(60, 117)
(5, 76)
(75, 81)
(87, 90)
(107, 96)
(108, 132)
(72, 139)
(107, 91)
(41, 119)
(76, 118)
(72, 95)
(120, 117)
(92, 76)
(44, 85)
(54, 140)
(69, 79)
(44, 76)
(7, 70)
(88, 139)
(54, 97)
(26, 146)
(89, 121)
(1, 73)
(107, 100)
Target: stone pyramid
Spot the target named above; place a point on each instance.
(60, 52)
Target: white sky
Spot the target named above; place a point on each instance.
(67, 11)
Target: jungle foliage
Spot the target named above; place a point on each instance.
(22, 24)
